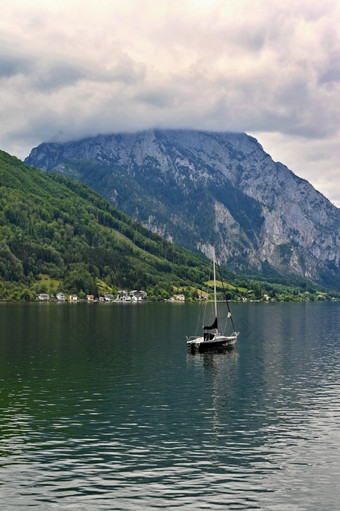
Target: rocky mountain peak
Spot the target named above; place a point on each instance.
(206, 188)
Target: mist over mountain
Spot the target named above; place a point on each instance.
(203, 188)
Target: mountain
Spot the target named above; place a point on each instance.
(202, 188)
(56, 234)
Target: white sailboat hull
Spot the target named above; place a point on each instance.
(217, 341)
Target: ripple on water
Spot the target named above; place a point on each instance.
(257, 428)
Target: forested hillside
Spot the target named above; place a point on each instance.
(56, 234)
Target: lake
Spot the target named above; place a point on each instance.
(102, 408)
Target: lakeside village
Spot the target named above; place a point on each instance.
(137, 296)
(134, 296)
(122, 296)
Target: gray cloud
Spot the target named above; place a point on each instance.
(331, 74)
(11, 66)
(57, 77)
(267, 68)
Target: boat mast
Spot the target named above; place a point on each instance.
(215, 299)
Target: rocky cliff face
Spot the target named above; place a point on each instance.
(201, 189)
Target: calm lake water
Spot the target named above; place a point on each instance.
(102, 408)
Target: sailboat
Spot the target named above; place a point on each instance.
(212, 338)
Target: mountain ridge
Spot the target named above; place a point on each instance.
(207, 188)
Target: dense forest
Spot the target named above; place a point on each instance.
(56, 234)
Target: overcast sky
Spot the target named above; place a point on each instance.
(270, 68)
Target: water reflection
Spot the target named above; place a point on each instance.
(102, 408)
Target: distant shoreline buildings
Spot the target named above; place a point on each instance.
(122, 296)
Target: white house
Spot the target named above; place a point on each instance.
(43, 297)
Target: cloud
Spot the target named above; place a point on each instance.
(315, 160)
(12, 66)
(263, 67)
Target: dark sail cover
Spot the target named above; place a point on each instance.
(214, 325)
